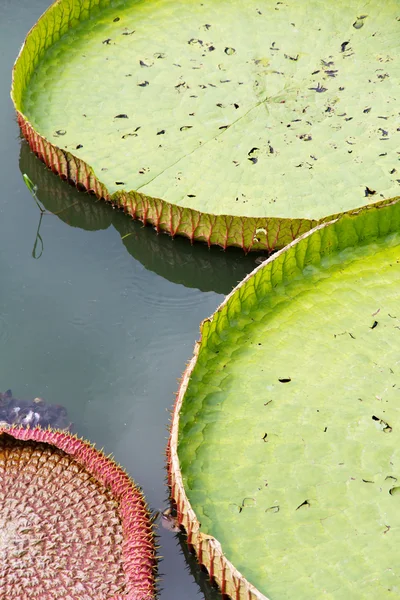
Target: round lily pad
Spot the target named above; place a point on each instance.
(236, 123)
(73, 524)
(284, 453)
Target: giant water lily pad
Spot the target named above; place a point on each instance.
(284, 454)
(237, 123)
(73, 525)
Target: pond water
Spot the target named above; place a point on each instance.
(98, 313)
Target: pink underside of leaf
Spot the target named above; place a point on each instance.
(138, 545)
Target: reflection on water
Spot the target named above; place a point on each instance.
(200, 576)
(197, 266)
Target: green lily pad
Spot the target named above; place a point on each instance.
(286, 432)
(237, 123)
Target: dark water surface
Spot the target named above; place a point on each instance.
(100, 324)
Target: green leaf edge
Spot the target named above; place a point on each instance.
(248, 233)
(350, 230)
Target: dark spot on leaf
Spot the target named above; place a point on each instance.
(383, 131)
(305, 503)
(271, 150)
(341, 89)
(191, 195)
(264, 437)
(161, 132)
(374, 324)
(320, 88)
(367, 481)
(223, 127)
(392, 171)
(386, 428)
(119, 183)
(394, 490)
(60, 132)
(121, 116)
(159, 55)
(143, 64)
(331, 73)
(343, 46)
(185, 127)
(253, 159)
(211, 48)
(367, 110)
(207, 26)
(327, 64)
(128, 32)
(315, 72)
(116, 19)
(195, 42)
(134, 134)
(251, 152)
(107, 41)
(79, 146)
(295, 58)
(359, 22)
(306, 137)
(143, 84)
(325, 429)
(236, 105)
(284, 379)
(229, 51)
(272, 509)
(369, 192)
